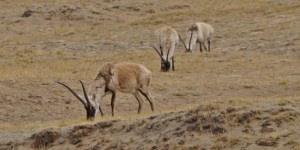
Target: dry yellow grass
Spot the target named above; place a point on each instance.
(251, 65)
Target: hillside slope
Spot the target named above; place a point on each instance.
(235, 125)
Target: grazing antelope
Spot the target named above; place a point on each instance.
(124, 77)
(200, 32)
(167, 39)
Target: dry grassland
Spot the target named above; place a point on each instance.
(250, 77)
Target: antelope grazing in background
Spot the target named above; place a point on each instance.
(124, 77)
(167, 39)
(201, 33)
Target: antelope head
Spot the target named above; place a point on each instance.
(165, 63)
(89, 107)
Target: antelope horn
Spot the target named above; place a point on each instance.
(84, 92)
(157, 52)
(183, 43)
(72, 91)
(190, 39)
(168, 53)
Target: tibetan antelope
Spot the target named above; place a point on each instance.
(122, 77)
(167, 39)
(201, 33)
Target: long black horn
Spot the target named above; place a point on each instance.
(190, 39)
(168, 53)
(183, 43)
(72, 91)
(85, 94)
(158, 52)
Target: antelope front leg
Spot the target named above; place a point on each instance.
(208, 41)
(173, 67)
(200, 47)
(204, 46)
(149, 98)
(113, 100)
(140, 101)
(102, 114)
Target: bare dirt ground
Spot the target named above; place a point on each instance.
(244, 94)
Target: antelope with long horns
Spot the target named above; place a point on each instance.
(111, 78)
(201, 33)
(167, 39)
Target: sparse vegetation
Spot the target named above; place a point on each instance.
(244, 94)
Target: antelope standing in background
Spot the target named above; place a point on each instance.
(201, 33)
(124, 77)
(167, 39)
